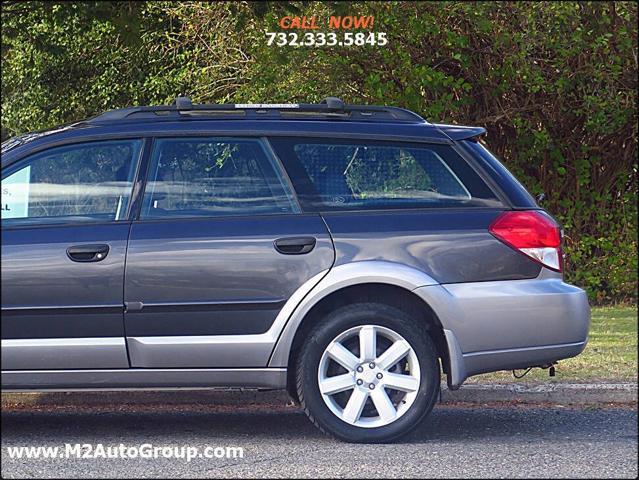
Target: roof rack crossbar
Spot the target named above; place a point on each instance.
(329, 107)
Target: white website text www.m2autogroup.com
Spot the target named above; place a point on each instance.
(145, 451)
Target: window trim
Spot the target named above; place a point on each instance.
(20, 162)
(512, 199)
(148, 135)
(276, 163)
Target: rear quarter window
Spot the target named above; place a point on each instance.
(358, 174)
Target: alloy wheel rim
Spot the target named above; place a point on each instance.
(382, 375)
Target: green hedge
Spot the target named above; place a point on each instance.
(554, 83)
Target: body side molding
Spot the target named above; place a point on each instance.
(63, 353)
(272, 347)
(241, 351)
(140, 379)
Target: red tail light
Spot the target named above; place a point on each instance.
(533, 233)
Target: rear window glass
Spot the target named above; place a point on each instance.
(354, 174)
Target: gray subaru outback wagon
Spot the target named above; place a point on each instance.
(345, 253)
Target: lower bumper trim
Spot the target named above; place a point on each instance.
(514, 358)
(464, 365)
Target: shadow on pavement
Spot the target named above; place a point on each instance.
(172, 422)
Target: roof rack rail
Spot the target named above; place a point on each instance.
(330, 107)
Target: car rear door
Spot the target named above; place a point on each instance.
(219, 247)
(64, 237)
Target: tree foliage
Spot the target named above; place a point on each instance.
(554, 83)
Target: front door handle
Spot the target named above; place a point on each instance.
(295, 245)
(88, 253)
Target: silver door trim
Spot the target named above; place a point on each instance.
(136, 379)
(63, 353)
(220, 351)
(271, 348)
(200, 351)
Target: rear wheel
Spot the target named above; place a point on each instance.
(368, 373)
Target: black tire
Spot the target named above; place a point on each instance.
(340, 320)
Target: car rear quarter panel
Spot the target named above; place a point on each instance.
(449, 245)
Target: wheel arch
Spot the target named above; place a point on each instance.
(375, 281)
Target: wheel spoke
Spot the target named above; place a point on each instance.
(383, 404)
(343, 356)
(376, 389)
(355, 405)
(398, 381)
(339, 383)
(393, 354)
(367, 344)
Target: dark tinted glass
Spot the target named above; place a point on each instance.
(354, 174)
(516, 192)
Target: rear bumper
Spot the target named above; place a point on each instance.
(504, 325)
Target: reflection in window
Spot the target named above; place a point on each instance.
(214, 177)
(86, 182)
(351, 173)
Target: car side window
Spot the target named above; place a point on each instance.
(194, 177)
(333, 174)
(77, 183)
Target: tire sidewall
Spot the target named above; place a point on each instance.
(353, 316)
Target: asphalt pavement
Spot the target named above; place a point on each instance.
(491, 441)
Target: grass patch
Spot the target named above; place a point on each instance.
(611, 353)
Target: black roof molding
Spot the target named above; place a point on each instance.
(329, 108)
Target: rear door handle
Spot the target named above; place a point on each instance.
(88, 253)
(295, 245)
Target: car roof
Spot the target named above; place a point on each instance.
(331, 118)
